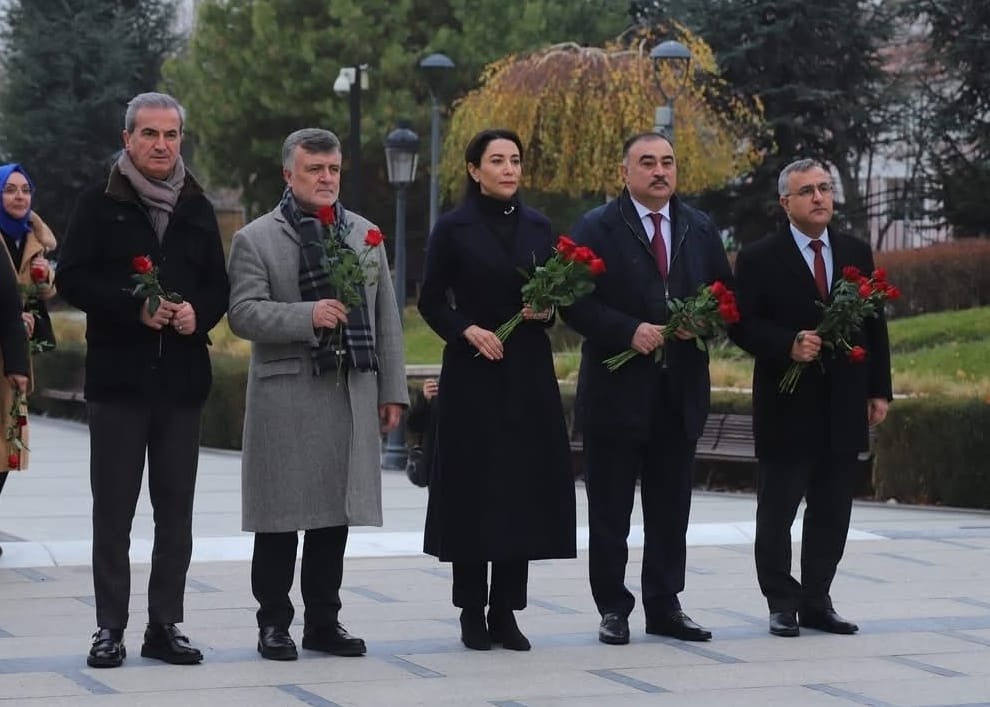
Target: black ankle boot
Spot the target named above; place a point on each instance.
(474, 633)
(503, 629)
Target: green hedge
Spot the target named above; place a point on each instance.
(935, 451)
(946, 276)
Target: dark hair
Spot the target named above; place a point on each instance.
(648, 135)
(476, 149)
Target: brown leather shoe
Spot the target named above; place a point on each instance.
(108, 648)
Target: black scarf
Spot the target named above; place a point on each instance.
(353, 346)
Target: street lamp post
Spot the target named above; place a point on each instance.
(676, 58)
(434, 68)
(401, 157)
(350, 82)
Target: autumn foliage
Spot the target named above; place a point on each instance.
(574, 106)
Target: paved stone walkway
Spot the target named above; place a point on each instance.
(916, 580)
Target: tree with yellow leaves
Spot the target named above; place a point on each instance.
(574, 106)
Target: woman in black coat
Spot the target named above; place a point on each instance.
(501, 485)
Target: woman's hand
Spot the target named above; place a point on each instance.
(485, 341)
(28, 323)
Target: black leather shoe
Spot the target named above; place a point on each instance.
(827, 620)
(166, 642)
(677, 625)
(502, 628)
(474, 631)
(275, 643)
(784, 623)
(333, 640)
(614, 629)
(108, 648)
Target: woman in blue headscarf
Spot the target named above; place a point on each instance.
(26, 240)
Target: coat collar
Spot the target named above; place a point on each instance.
(793, 260)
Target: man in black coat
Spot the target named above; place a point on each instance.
(147, 367)
(807, 441)
(644, 419)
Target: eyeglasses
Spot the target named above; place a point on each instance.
(12, 189)
(808, 190)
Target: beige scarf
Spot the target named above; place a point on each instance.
(156, 194)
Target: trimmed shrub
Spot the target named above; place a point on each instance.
(941, 277)
(935, 451)
(223, 415)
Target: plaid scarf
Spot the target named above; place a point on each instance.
(358, 350)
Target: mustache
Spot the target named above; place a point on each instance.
(659, 180)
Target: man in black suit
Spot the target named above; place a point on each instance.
(643, 420)
(807, 441)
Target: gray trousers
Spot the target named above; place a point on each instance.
(121, 435)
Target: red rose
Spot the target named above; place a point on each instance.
(14, 461)
(582, 254)
(565, 246)
(857, 354)
(851, 273)
(729, 313)
(879, 274)
(865, 290)
(39, 273)
(718, 290)
(142, 264)
(893, 293)
(597, 266)
(374, 238)
(326, 215)
(22, 421)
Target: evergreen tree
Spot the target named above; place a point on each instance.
(69, 68)
(258, 69)
(818, 71)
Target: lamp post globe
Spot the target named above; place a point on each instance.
(674, 57)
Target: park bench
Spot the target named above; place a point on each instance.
(726, 437)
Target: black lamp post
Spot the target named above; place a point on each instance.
(350, 82)
(401, 157)
(677, 58)
(435, 68)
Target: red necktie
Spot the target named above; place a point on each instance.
(659, 247)
(821, 280)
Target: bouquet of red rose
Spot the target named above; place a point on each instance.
(854, 299)
(147, 286)
(14, 434)
(566, 276)
(705, 314)
(347, 270)
(31, 296)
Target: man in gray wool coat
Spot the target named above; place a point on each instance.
(326, 379)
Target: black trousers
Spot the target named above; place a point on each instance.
(827, 485)
(121, 435)
(273, 566)
(663, 466)
(508, 590)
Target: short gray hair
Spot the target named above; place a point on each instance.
(152, 100)
(312, 140)
(804, 165)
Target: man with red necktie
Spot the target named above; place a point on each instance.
(643, 420)
(807, 441)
